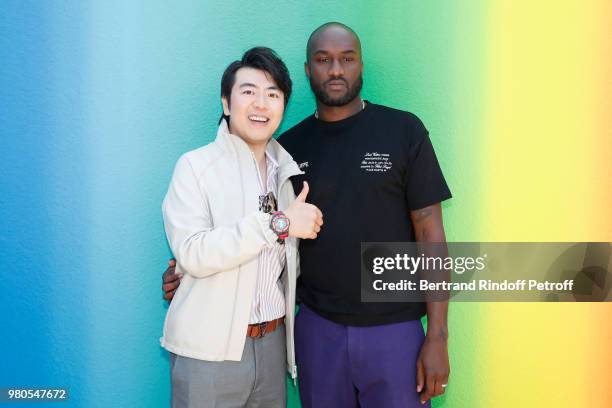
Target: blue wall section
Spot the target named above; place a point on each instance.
(45, 240)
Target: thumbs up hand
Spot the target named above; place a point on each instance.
(305, 219)
(302, 196)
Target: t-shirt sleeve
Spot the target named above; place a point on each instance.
(425, 183)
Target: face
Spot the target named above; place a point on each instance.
(334, 66)
(256, 106)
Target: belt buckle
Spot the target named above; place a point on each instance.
(262, 329)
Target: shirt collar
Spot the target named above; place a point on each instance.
(272, 163)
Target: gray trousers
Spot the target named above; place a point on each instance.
(258, 380)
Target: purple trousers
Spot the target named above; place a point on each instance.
(347, 367)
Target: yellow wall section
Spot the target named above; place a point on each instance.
(547, 152)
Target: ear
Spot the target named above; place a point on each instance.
(307, 69)
(226, 110)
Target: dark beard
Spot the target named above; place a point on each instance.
(324, 97)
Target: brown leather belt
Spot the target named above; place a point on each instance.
(260, 330)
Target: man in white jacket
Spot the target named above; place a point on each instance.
(232, 221)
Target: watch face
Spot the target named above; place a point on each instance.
(281, 224)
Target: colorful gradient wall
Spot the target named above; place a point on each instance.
(98, 100)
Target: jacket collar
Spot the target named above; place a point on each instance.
(234, 145)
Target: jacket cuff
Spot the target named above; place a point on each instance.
(269, 235)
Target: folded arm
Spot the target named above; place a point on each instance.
(200, 248)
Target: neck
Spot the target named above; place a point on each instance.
(336, 113)
(258, 149)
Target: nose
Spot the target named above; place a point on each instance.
(336, 70)
(260, 101)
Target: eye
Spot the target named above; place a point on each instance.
(273, 95)
(248, 92)
(348, 59)
(323, 59)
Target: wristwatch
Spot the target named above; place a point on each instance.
(279, 223)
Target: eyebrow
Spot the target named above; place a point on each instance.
(248, 84)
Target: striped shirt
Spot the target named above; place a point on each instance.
(269, 299)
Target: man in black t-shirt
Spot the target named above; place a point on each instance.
(373, 173)
(366, 173)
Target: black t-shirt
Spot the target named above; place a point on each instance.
(365, 173)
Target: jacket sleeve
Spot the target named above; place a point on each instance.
(298, 270)
(202, 250)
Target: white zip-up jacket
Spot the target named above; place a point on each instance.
(216, 233)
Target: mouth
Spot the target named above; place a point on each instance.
(336, 85)
(258, 119)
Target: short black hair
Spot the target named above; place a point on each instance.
(262, 58)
